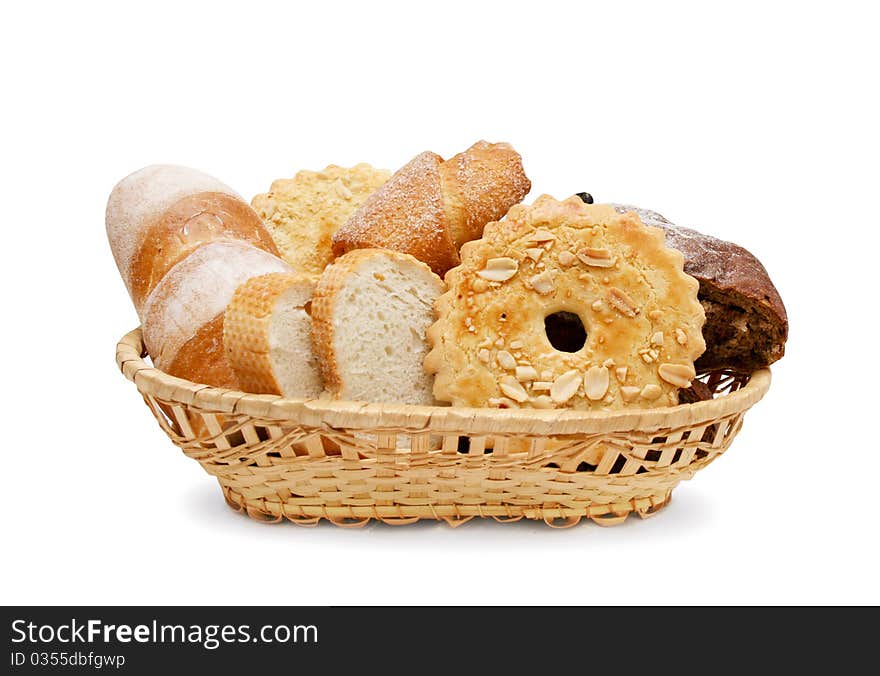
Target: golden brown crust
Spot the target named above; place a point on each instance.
(406, 214)
(202, 359)
(193, 294)
(186, 225)
(303, 212)
(640, 310)
(247, 329)
(429, 207)
(479, 186)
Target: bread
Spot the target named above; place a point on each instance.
(183, 316)
(370, 312)
(157, 216)
(429, 208)
(303, 212)
(267, 332)
(746, 322)
(493, 343)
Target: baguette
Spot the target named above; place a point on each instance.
(183, 316)
(158, 215)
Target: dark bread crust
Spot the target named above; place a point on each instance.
(746, 323)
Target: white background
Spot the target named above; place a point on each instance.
(756, 123)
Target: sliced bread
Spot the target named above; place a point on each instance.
(268, 336)
(370, 314)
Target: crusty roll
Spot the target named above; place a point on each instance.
(370, 312)
(183, 316)
(429, 208)
(267, 332)
(158, 215)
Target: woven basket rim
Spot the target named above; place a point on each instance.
(354, 414)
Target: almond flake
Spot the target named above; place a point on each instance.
(342, 190)
(541, 386)
(546, 375)
(657, 338)
(511, 388)
(596, 258)
(499, 269)
(535, 254)
(525, 373)
(566, 258)
(596, 383)
(651, 392)
(505, 359)
(621, 302)
(681, 337)
(502, 402)
(629, 393)
(542, 283)
(620, 372)
(565, 386)
(543, 401)
(483, 355)
(679, 375)
(541, 235)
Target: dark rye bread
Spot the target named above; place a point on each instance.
(746, 323)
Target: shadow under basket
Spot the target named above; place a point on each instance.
(349, 462)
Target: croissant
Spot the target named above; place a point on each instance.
(430, 207)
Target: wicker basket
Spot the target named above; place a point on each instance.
(350, 462)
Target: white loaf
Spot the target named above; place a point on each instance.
(141, 197)
(196, 291)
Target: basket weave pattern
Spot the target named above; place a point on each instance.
(349, 462)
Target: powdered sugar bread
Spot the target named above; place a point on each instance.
(303, 212)
(183, 316)
(370, 312)
(429, 207)
(158, 215)
(493, 343)
(267, 332)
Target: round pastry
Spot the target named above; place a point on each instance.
(302, 213)
(504, 336)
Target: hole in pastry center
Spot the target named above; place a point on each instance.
(565, 331)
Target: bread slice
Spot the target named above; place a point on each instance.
(370, 314)
(268, 336)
